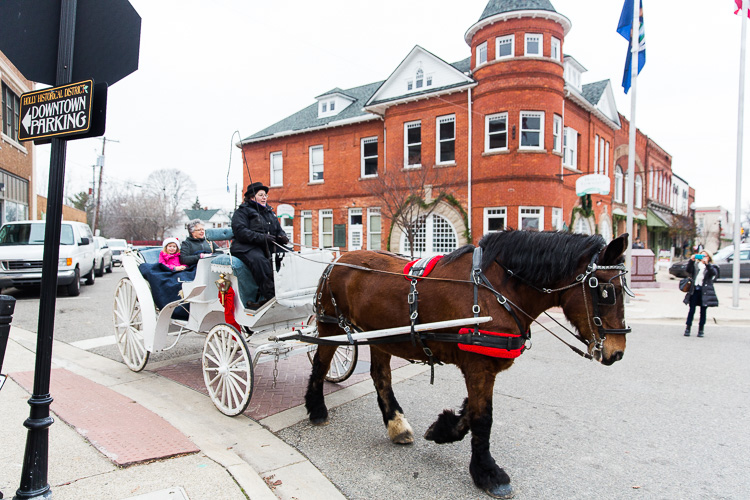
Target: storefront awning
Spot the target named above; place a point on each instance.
(655, 220)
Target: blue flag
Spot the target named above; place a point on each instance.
(625, 28)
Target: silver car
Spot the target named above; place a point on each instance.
(103, 257)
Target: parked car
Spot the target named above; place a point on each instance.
(724, 258)
(22, 249)
(118, 246)
(679, 269)
(103, 261)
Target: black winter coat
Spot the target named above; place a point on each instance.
(191, 248)
(251, 223)
(709, 298)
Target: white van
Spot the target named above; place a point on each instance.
(22, 248)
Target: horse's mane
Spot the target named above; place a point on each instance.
(542, 258)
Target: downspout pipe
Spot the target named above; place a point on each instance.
(469, 164)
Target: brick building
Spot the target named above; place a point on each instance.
(510, 129)
(17, 200)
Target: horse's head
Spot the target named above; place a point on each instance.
(597, 307)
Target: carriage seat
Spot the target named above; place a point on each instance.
(228, 265)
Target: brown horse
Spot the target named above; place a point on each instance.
(533, 271)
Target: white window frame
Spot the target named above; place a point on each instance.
(363, 141)
(438, 141)
(495, 213)
(371, 214)
(618, 184)
(606, 159)
(602, 156)
(570, 148)
(314, 166)
(355, 229)
(419, 79)
(596, 154)
(555, 51)
(638, 201)
(528, 37)
(429, 237)
(557, 219)
(487, 120)
(538, 213)
(277, 169)
(407, 126)
(481, 54)
(503, 40)
(557, 133)
(305, 215)
(531, 114)
(324, 214)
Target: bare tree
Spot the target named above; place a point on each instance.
(174, 188)
(407, 197)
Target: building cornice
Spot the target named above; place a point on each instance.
(518, 14)
(380, 107)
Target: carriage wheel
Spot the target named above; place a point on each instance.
(128, 320)
(344, 359)
(227, 369)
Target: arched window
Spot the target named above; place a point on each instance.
(435, 236)
(618, 184)
(638, 191)
(582, 226)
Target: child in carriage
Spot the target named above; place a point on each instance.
(170, 255)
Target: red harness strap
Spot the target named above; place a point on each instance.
(495, 352)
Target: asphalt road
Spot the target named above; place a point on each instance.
(668, 421)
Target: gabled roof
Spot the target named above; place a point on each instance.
(500, 6)
(200, 214)
(448, 78)
(307, 118)
(598, 98)
(335, 91)
(593, 91)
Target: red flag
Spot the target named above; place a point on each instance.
(738, 3)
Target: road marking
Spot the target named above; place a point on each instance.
(94, 343)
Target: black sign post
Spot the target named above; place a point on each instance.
(37, 36)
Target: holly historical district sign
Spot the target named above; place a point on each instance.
(57, 111)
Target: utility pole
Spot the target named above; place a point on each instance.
(100, 164)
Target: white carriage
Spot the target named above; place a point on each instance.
(228, 365)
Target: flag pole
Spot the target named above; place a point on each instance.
(738, 181)
(630, 180)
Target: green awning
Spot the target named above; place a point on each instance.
(653, 220)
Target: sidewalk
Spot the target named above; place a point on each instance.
(664, 304)
(212, 456)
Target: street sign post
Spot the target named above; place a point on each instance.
(56, 112)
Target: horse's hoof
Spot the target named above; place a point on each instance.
(501, 491)
(403, 438)
(319, 421)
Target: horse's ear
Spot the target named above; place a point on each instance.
(611, 254)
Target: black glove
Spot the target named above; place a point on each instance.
(270, 239)
(282, 239)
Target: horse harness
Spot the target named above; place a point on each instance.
(601, 294)
(470, 339)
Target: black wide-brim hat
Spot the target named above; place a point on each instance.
(254, 188)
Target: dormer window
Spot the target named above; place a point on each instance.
(324, 108)
(331, 104)
(572, 73)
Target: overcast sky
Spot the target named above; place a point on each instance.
(208, 69)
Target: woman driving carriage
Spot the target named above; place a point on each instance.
(256, 231)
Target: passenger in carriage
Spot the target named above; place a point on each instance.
(170, 255)
(195, 246)
(256, 232)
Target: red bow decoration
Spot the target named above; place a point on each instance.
(227, 300)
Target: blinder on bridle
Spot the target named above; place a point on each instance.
(605, 294)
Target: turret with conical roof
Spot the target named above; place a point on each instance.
(517, 61)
